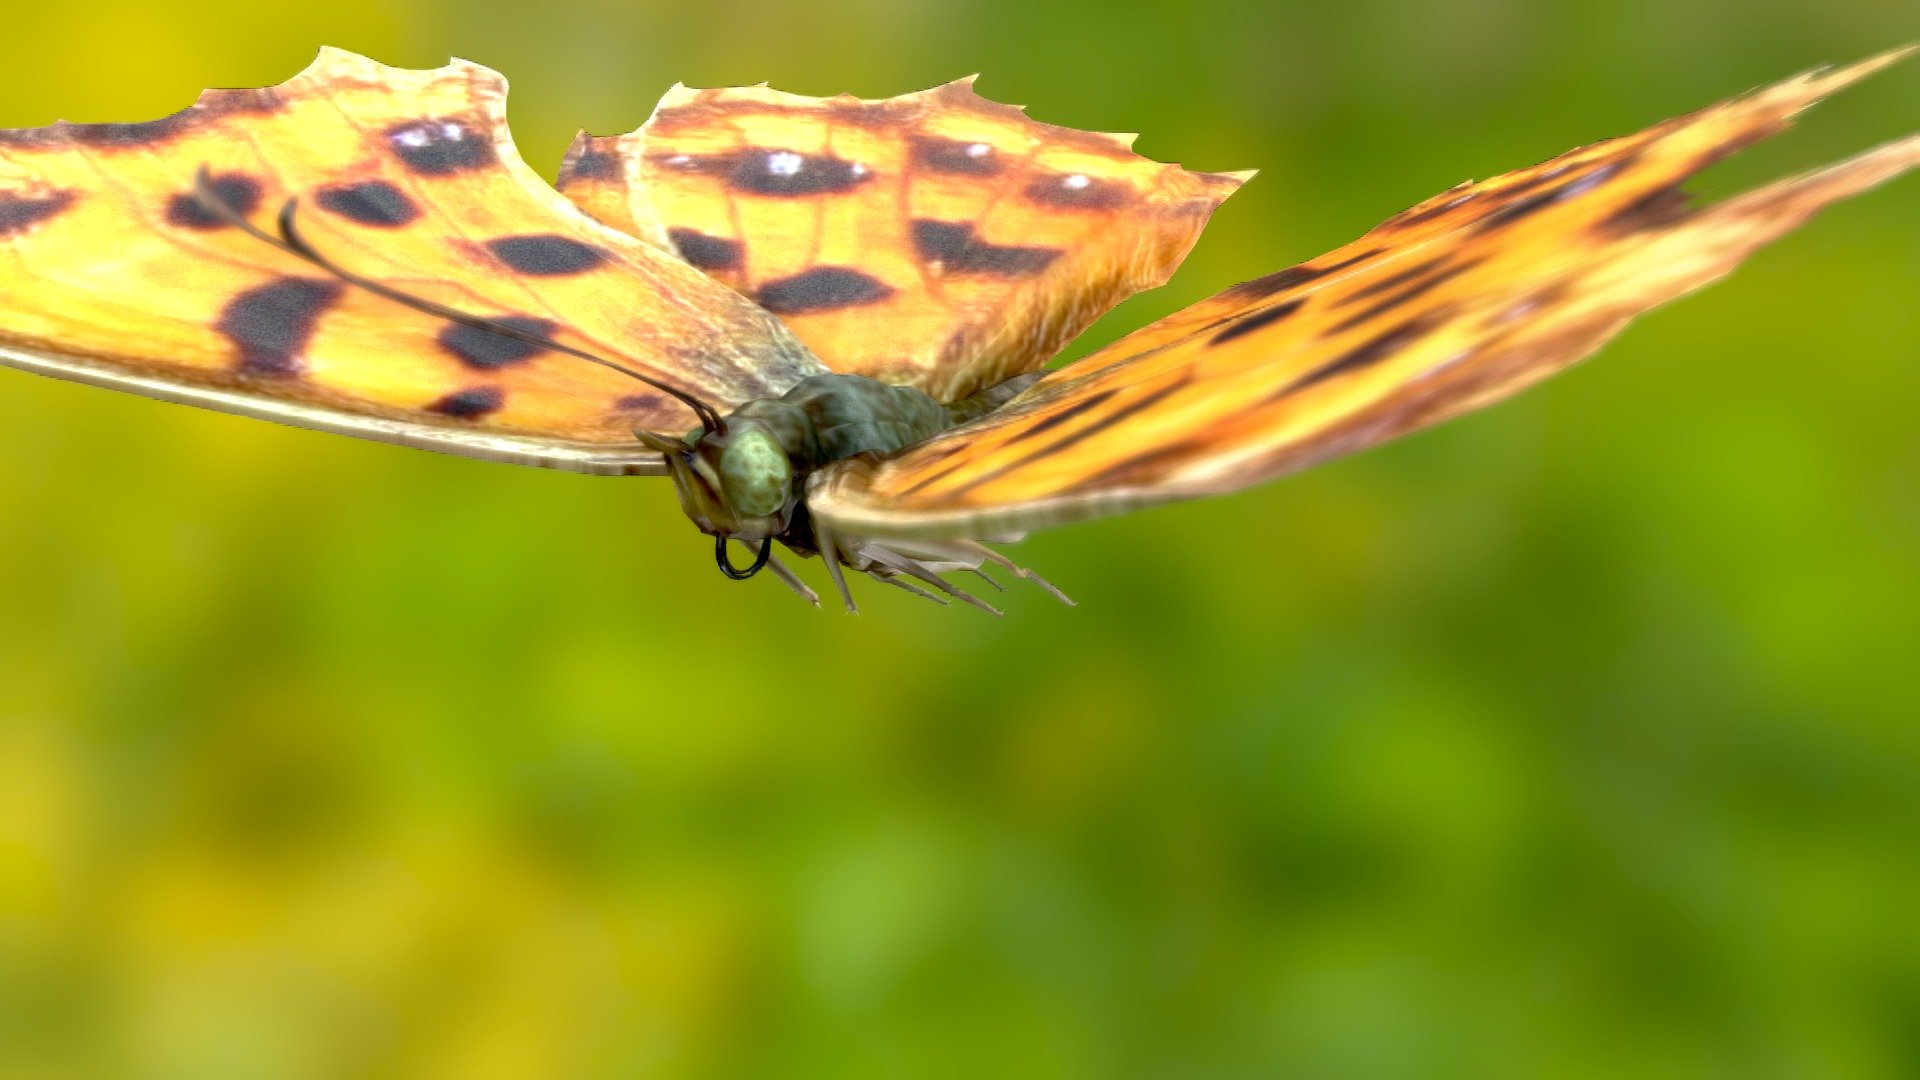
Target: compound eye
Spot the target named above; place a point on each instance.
(755, 474)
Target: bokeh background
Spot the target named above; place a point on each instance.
(1579, 738)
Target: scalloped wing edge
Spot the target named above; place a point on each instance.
(957, 92)
(604, 175)
(628, 148)
(329, 64)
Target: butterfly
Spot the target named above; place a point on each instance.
(825, 318)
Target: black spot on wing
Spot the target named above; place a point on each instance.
(372, 202)
(546, 255)
(144, 133)
(440, 147)
(470, 404)
(241, 193)
(213, 103)
(954, 157)
(1077, 191)
(959, 251)
(1272, 284)
(99, 136)
(697, 164)
(790, 173)
(707, 252)
(590, 164)
(1100, 423)
(1656, 209)
(18, 213)
(823, 288)
(997, 260)
(488, 351)
(1514, 211)
(1054, 420)
(1257, 320)
(951, 459)
(271, 325)
(1394, 281)
(939, 241)
(1143, 467)
(1371, 352)
(243, 102)
(1292, 277)
(1426, 278)
(1520, 208)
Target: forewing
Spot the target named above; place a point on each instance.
(937, 239)
(1456, 303)
(112, 272)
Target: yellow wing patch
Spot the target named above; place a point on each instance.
(1456, 303)
(936, 239)
(110, 269)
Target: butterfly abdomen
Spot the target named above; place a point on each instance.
(980, 403)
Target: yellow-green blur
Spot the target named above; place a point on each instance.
(1578, 738)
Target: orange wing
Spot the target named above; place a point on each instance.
(1456, 303)
(936, 239)
(112, 272)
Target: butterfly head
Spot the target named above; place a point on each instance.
(734, 483)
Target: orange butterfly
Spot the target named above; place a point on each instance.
(846, 301)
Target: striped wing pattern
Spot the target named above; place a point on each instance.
(1456, 303)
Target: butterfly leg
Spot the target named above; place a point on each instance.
(792, 581)
(899, 563)
(882, 574)
(994, 557)
(981, 573)
(830, 554)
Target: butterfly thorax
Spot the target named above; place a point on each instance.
(749, 482)
(826, 418)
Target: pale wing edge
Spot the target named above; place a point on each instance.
(565, 455)
(833, 495)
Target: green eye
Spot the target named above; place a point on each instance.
(756, 474)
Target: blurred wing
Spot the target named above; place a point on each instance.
(937, 239)
(1456, 303)
(111, 272)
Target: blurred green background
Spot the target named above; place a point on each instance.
(1579, 738)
